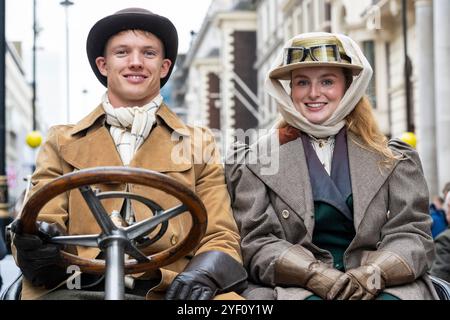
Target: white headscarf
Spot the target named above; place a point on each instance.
(130, 126)
(352, 96)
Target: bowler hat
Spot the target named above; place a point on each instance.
(131, 19)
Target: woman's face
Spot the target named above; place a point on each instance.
(317, 91)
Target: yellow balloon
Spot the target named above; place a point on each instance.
(34, 139)
(409, 138)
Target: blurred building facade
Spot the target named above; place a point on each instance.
(19, 156)
(217, 79)
(406, 42)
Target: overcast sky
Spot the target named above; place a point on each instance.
(51, 56)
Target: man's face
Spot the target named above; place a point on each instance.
(134, 64)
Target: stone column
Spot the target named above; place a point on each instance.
(426, 129)
(441, 12)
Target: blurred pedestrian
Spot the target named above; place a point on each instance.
(438, 216)
(3, 251)
(441, 264)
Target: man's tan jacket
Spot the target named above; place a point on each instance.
(185, 153)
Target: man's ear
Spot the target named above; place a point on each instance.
(165, 67)
(101, 65)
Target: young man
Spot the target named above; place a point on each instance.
(132, 53)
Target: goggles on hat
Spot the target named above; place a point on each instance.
(321, 53)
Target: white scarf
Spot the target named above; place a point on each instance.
(279, 89)
(130, 126)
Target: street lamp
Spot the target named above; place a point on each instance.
(34, 137)
(67, 4)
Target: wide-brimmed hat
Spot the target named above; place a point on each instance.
(131, 19)
(300, 54)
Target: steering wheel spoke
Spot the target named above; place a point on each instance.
(85, 241)
(98, 211)
(141, 228)
(134, 252)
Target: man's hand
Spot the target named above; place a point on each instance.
(39, 260)
(192, 285)
(207, 274)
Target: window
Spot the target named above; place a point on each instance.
(327, 11)
(369, 52)
(310, 16)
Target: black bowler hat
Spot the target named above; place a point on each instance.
(130, 19)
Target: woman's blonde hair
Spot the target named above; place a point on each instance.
(361, 121)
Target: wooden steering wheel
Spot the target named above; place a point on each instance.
(119, 240)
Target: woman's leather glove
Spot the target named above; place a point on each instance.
(298, 267)
(206, 275)
(40, 261)
(381, 269)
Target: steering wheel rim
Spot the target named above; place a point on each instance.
(139, 176)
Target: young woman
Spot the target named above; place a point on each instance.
(345, 216)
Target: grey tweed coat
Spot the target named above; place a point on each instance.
(276, 211)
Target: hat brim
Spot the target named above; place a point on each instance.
(105, 28)
(284, 72)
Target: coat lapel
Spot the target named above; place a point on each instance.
(95, 149)
(291, 181)
(367, 176)
(161, 157)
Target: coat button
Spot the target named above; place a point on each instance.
(174, 240)
(285, 214)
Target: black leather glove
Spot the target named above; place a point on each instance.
(206, 275)
(40, 261)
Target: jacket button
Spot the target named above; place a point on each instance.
(285, 214)
(174, 240)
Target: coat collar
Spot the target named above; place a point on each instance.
(163, 113)
(96, 147)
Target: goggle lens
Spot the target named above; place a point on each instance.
(322, 53)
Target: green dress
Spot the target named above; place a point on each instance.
(334, 232)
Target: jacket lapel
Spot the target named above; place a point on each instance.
(162, 157)
(95, 149)
(291, 181)
(367, 176)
